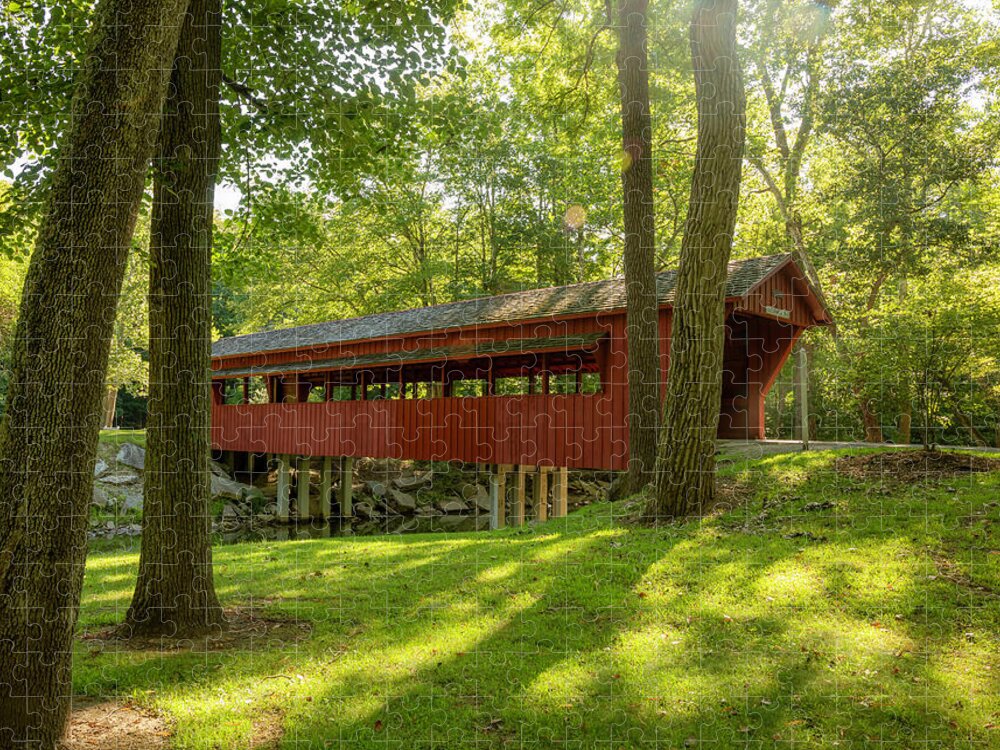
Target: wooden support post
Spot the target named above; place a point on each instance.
(560, 492)
(540, 493)
(803, 373)
(302, 493)
(517, 518)
(346, 492)
(325, 487)
(498, 497)
(284, 487)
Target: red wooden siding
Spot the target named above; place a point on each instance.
(555, 430)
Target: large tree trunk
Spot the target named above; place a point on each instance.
(60, 356)
(175, 593)
(110, 405)
(642, 330)
(685, 471)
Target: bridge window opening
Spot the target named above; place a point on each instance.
(590, 382)
(563, 384)
(255, 390)
(524, 373)
(469, 387)
(340, 390)
(511, 386)
(232, 391)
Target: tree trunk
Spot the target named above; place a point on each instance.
(685, 470)
(873, 427)
(60, 356)
(110, 403)
(906, 425)
(642, 329)
(175, 593)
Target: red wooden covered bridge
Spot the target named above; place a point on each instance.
(535, 380)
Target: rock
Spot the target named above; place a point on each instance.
(453, 506)
(132, 455)
(100, 467)
(133, 500)
(478, 495)
(100, 498)
(231, 489)
(403, 501)
(386, 508)
(364, 509)
(119, 479)
(218, 469)
(414, 482)
(230, 513)
(377, 489)
(427, 510)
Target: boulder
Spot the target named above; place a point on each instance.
(408, 484)
(231, 513)
(427, 510)
(119, 479)
(453, 506)
(364, 510)
(377, 489)
(132, 455)
(100, 467)
(231, 489)
(478, 495)
(218, 469)
(100, 498)
(133, 500)
(403, 501)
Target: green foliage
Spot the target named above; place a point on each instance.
(938, 346)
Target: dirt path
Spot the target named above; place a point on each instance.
(100, 724)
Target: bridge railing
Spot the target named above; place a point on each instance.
(574, 430)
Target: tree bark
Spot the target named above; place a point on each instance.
(685, 470)
(110, 404)
(175, 594)
(49, 437)
(641, 327)
(870, 420)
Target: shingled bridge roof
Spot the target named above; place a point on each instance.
(589, 297)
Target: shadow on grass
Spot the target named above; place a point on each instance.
(580, 633)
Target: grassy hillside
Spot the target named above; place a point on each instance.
(821, 611)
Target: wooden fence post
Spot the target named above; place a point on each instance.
(284, 487)
(803, 373)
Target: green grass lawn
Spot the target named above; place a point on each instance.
(872, 622)
(114, 438)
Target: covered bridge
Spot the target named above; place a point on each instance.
(529, 379)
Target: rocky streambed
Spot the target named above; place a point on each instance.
(389, 497)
